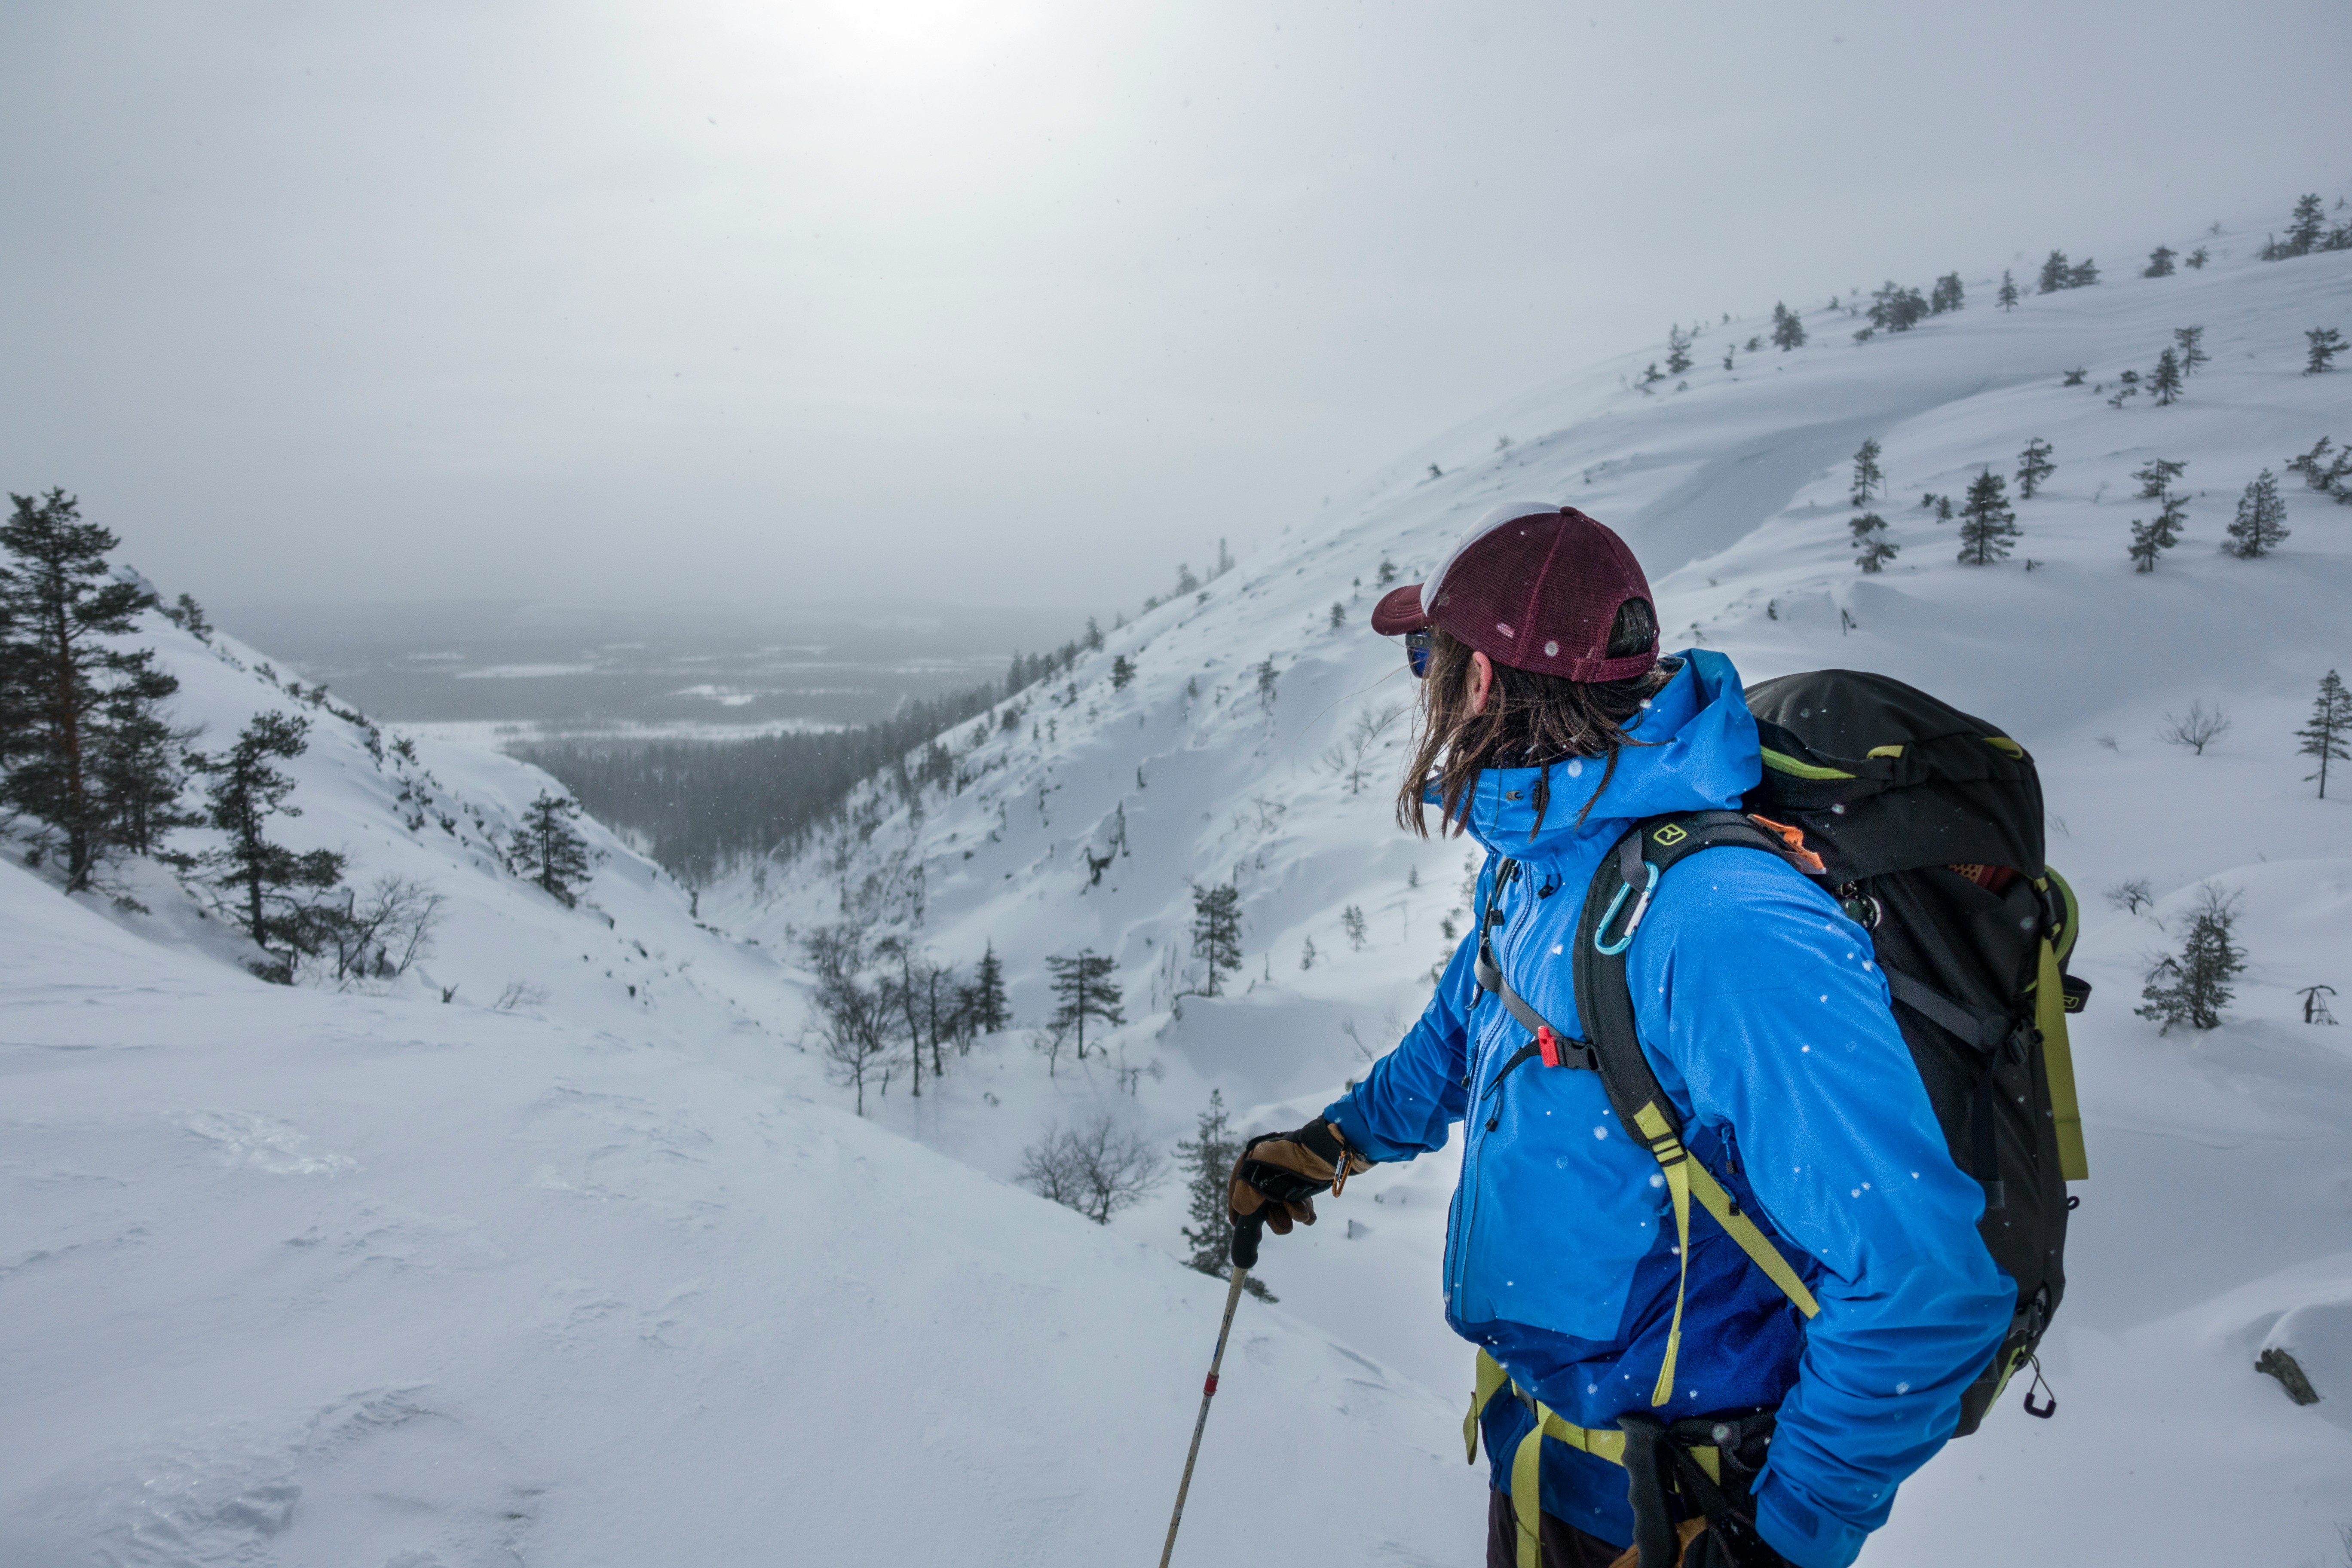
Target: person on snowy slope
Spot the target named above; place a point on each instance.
(1550, 724)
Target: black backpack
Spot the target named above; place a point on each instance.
(1925, 825)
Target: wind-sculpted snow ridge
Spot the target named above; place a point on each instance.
(1259, 743)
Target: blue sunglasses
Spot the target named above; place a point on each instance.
(1416, 652)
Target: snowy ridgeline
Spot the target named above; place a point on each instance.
(1249, 737)
(590, 1261)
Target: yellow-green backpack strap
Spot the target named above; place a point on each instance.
(2058, 1067)
(1492, 1380)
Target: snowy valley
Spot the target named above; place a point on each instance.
(564, 1246)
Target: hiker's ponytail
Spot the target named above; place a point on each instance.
(1529, 720)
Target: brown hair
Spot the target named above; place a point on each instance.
(1529, 720)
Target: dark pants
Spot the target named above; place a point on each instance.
(1564, 1545)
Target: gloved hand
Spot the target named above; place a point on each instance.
(1276, 1178)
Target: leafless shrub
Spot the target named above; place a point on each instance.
(1097, 1170)
(853, 1032)
(2197, 729)
(518, 995)
(2132, 897)
(377, 934)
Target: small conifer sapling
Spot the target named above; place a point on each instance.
(1869, 478)
(2007, 298)
(2261, 524)
(2164, 380)
(2160, 262)
(2034, 468)
(2193, 986)
(2191, 342)
(1988, 523)
(2326, 342)
(2330, 728)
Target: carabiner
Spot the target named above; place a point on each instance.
(1632, 924)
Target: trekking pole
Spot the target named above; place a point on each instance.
(1208, 1391)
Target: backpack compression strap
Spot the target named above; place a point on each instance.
(1603, 998)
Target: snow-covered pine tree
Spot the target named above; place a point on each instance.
(2164, 380)
(1988, 523)
(2261, 522)
(549, 850)
(1873, 549)
(1307, 955)
(2326, 342)
(2330, 728)
(2007, 298)
(1787, 330)
(1869, 478)
(2191, 342)
(1947, 295)
(2193, 987)
(2054, 273)
(2160, 262)
(2083, 274)
(1083, 989)
(2196, 260)
(1351, 920)
(1207, 1160)
(1678, 354)
(1122, 669)
(1217, 931)
(2307, 226)
(2155, 475)
(65, 687)
(2034, 466)
(262, 881)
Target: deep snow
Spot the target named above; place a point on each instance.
(611, 1274)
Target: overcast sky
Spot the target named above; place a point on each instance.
(1018, 301)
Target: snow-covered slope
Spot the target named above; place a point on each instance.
(2220, 1210)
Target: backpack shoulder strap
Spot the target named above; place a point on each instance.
(1604, 1000)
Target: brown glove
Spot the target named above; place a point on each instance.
(1276, 1178)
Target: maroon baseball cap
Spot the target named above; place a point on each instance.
(1534, 585)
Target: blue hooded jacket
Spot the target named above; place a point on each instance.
(1766, 1020)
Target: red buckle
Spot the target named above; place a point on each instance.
(1548, 1044)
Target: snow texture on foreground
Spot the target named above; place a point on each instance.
(300, 1277)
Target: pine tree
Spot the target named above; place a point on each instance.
(1869, 478)
(1122, 672)
(1787, 329)
(2156, 476)
(2261, 522)
(2034, 466)
(984, 1002)
(2307, 226)
(1217, 931)
(1943, 509)
(1873, 549)
(65, 688)
(1083, 989)
(2164, 380)
(2317, 470)
(1988, 523)
(2195, 260)
(2160, 262)
(136, 765)
(1351, 920)
(1947, 295)
(265, 880)
(2083, 274)
(2330, 726)
(2190, 340)
(2007, 298)
(549, 850)
(1678, 355)
(2327, 343)
(2194, 987)
(1207, 1160)
(2150, 540)
(2054, 273)
(1897, 308)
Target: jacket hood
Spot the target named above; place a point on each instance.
(1696, 750)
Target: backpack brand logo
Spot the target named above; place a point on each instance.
(1671, 834)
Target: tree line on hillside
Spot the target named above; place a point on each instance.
(94, 772)
(705, 805)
